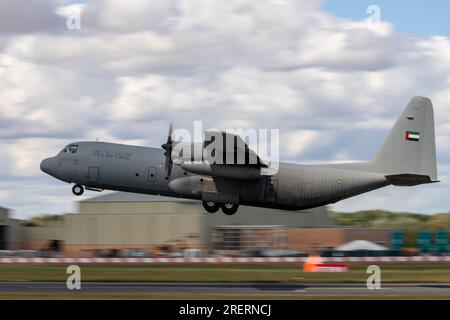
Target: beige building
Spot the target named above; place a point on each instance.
(42, 237)
(124, 220)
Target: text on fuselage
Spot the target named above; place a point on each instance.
(107, 154)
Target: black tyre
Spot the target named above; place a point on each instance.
(229, 209)
(78, 189)
(211, 206)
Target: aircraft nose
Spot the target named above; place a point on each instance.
(46, 165)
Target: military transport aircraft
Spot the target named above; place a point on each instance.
(407, 158)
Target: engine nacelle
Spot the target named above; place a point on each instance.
(223, 171)
(187, 186)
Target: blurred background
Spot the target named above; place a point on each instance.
(131, 225)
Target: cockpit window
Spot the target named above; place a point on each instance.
(73, 148)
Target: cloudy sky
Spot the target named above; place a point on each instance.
(329, 80)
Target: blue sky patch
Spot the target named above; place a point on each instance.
(416, 18)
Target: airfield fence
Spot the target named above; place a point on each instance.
(219, 260)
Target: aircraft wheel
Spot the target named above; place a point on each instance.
(78, 189)
(211, 206)
(229, 208)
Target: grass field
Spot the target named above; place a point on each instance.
(278, 273)
(401, 273)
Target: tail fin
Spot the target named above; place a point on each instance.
(408, 155)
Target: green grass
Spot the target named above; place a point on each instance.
(282, 273)
(402, 273)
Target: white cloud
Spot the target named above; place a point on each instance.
(23, 16)
(296, 142)
(25, 155)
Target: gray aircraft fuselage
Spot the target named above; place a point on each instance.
(137, 169)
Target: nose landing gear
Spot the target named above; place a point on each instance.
(78, 189)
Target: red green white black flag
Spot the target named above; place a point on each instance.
(412, 135)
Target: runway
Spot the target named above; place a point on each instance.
(319, 289)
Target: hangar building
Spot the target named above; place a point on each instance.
(11, 233)
(116, 221)
(125, 220)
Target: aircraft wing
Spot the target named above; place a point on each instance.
(227, 155)
(230, 149)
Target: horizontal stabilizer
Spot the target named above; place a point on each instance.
(408, 179)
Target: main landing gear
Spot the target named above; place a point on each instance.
(78, 189)
(211, 206)
(227, 208)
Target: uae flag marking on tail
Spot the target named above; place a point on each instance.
(412, 135)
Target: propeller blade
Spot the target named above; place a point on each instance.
(168, 144)
(168, 147)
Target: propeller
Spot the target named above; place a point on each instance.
(168, 146)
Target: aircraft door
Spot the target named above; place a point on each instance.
(151, 177)
(270, 190)
(301, 189)
(93, 175)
